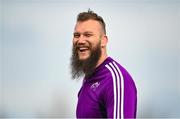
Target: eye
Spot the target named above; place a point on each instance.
(76, 35)
(87, 35)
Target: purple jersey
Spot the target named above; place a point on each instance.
(109, 93)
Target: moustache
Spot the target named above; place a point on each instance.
(82, 46)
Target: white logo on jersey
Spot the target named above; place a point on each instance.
(94, 86)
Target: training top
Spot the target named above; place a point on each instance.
(109, 93)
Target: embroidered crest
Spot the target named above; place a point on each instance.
(94, 86)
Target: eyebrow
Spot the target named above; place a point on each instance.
(88, 32)
(83, 32)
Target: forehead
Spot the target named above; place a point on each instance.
(89, 25)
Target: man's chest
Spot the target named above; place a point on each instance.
(89, 100)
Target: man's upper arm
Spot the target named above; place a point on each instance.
(109, 102)
(120, 94)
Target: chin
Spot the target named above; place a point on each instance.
(82, 58)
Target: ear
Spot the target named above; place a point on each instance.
(104, 41)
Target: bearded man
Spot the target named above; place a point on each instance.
(108, 90)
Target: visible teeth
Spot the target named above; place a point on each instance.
(83, 48)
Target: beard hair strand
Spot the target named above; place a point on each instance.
(85, 67)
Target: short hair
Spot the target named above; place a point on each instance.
(84, 16)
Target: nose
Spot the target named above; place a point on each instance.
(81, 40)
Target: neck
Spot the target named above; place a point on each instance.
(102, 58)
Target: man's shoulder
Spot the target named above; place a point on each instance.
(116, 70)
(110, 70)
(113, 66)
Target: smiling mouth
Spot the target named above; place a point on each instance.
(83, 49)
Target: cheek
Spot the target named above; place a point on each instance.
(74, 41)
(96, 44)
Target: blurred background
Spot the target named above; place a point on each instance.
(35, 51)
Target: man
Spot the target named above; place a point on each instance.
(108, 90)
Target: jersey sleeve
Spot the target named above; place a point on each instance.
(112, 94)
(109, 101)
(120, 96)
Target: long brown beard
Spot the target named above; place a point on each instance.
(84, 67)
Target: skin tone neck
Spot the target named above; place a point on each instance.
(103, 54)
